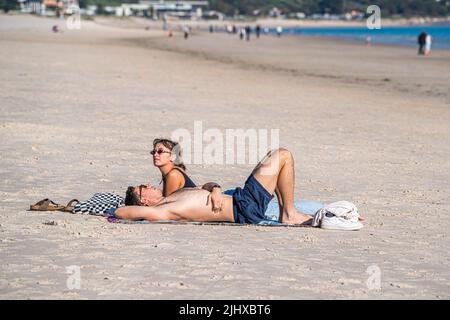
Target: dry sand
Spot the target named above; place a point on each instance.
(79, 111)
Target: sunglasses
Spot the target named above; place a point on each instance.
(160, 151)
(140, 191)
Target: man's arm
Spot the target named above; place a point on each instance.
(142, 213)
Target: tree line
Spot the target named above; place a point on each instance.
(404, 8)
(388, 7)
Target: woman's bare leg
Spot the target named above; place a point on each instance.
(276, 174)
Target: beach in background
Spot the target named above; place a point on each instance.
(399, 35)
(79, 110)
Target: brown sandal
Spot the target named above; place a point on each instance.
(70, 206)
(46, 205)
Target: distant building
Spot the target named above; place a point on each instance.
(156, 9)
(275, 12)
(48, 7)
(133, 9)
(213, 15)
(180, 9)
(30, 6)
(297, 15)
(161, 9)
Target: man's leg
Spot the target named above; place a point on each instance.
(276, 174)
(280, 202)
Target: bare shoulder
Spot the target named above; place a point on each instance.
(174, 174)
(174, 179)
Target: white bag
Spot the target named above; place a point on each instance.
(341, 215)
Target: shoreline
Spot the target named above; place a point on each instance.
(202, 27)
(362, 42)
(139, 23)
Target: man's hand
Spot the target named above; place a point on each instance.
(216, 199)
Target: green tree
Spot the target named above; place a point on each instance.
(8, 5)
(388, 7)
(230, 7)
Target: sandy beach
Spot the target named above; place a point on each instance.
(78, 113)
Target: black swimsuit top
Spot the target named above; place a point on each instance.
(188, 183)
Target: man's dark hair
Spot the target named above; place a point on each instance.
(131, 198)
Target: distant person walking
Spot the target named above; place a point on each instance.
(258, 31)
(186, 32)
(421, 40)
(279, 31)
(428, 41)
(241, 33)
(248, 31)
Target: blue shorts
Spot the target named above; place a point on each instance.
(250, 203)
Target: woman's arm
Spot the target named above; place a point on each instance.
(173, 182)
(215, 196)
(210, 186)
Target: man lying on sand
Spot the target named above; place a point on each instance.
(274, 174)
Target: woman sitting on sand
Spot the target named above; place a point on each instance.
(166, 156)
